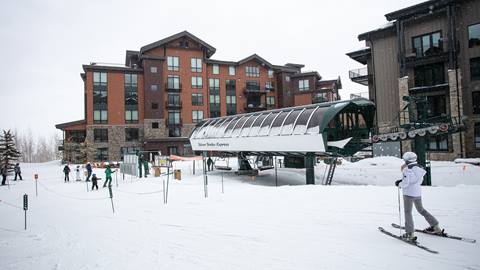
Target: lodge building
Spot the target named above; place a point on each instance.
(429, 50)
(153, 101)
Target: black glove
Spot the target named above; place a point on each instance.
(398, 182)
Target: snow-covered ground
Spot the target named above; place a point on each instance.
(252, 225)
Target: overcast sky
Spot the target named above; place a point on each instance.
(44, 43)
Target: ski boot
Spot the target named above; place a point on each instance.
(409, 237)
(434, 230)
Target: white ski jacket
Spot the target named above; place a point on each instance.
(411, 181)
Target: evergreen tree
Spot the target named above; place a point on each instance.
(8, 152)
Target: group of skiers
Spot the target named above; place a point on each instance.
(94, 178)
(4, 172)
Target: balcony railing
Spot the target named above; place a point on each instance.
(172, 87)
(359, 75)
(255, 107)
(173, 105)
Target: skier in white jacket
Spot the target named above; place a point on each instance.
(412, 194)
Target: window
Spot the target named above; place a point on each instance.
(476, 102)
(100, 135)
(172, 150)
(231, 101)
(214, 105)
(214, 84)
(252, 86)
(303, 85)
(174, 131)
(427, 44)
(215, 99)
(154, 105)
(100, 78)
(197, 99)
(252, 71)
(475, 69)
(268, 86)
(173, 82)
(197, 116)
(270, 102)
(477, 135)
(436, 106)
(187, 150)
(102, 154)
(231, 70)
(270, 73)
(131, 98)
(154, 125)
(154, 87)
(215, 69)
(100, 117)
(196, 64)
(197, 82)
(437, 143)
(174, 99)
(474, 35)
(230, 87)
(100, 97)
(131, 134)
(174, 117)
(173, 63)
(287, 78)
(429, 75)
(153, 69)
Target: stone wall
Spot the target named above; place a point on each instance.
(155, 133)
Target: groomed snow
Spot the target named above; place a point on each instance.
(252, 225)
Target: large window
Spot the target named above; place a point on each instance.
(214, 105)
(196, 64)
(303, 85)
(197, 82)
(197, 116)
(131, 98)
(270, 102)
(252, 85)
(173, 82)
(437, 143)
(230, 87)
(214, 84)
(231, 70)
(231, 101)
(475, 69)
(429, 75)
(102, 154)
(174, 99)
(428, 44)
(100, 135)
(477, 135)
(252, 71)
(216, 69)
(100, 115)
(173, 63)
(476, 102)
(131, 134)
(270, 73)
(197, 99)
(474, 35)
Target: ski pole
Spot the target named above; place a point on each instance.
(399, 210)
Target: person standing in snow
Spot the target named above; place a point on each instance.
(94, 181)
(145, 166)
(4, 172)
(89, 171)
(210, 163)
(410, 184)
(108, 176)
(66, 171)
(77, 174)
(18, 172)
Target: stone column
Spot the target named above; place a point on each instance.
(456, 109)
(404, 118)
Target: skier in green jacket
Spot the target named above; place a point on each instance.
(108, 176)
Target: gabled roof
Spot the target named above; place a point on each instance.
(255, 57)
(210, 49)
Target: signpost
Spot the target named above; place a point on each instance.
(25, 208)
(35, 176)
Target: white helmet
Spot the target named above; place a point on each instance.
(410, 157)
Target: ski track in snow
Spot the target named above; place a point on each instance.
(253, 225)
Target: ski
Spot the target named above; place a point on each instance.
(444, 234)
(415, 243)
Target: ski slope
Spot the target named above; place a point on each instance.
(252, 225)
